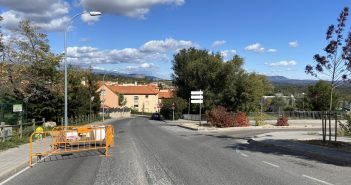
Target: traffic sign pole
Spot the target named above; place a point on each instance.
(200, 115)
(197, 97)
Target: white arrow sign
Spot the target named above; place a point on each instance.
(197, 92)
(197, 101)
(199, 97)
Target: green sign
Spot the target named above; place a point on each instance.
(17, 108)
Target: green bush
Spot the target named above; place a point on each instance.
(259, 119)
(167, 111)
(345, 129)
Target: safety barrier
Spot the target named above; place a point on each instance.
(64, 140)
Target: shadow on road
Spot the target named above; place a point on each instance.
(280, 151)
(70, 156)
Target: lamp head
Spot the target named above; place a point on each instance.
(95, 13)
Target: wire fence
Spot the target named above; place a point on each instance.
(291, 115)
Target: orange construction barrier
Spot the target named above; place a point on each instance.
(63, 140)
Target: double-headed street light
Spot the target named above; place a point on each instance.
(92, 13)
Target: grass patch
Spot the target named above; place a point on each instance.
(339, 145)
(312, 133)
(12, 143)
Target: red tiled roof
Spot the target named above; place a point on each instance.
(165, 94)
(132, 89)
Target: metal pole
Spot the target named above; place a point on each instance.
(200, 115)
(65, 63)
(103, 101)
(189, 110)
(173, 114)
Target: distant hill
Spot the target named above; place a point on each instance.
(137, 76)
(284, 80)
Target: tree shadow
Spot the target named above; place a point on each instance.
(70, 156)
(282, 151)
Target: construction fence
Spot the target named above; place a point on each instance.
(65, 140)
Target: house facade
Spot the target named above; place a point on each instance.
(142, 98)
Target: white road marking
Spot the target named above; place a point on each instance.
(270, 164)
(244, 155)
(318, 180)
(237, 150)
(24, 169)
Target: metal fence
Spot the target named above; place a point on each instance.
(292, 115)
(295, 115)
(19, 130)
(194, 117)
(62, 140)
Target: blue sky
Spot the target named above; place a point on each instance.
(275, 37)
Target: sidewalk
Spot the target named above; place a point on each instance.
(294, 124)
(289, 141)
(16, 159)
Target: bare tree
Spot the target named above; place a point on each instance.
(336, 63)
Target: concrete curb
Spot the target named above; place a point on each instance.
(241, 128)
(313, 155)
(186, 127)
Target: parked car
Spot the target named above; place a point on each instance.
(156, 116)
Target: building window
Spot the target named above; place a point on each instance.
(136, 101)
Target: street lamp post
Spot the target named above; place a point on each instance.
(93, 13)
(303, 101)
(103, 100)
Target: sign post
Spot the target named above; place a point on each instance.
(197, 97)
(173, 107)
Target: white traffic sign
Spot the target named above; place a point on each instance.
(197, 92)
(197, 101)
(199, 97)
(17, 108)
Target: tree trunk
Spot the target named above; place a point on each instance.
(330, 110)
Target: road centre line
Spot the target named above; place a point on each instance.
(270, 164)
(315, 179)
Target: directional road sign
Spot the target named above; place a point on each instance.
(197, 101)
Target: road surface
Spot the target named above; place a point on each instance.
(152, 152)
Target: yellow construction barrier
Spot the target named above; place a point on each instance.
(64, 140)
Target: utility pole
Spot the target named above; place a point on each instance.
(303, 101)
(103, 99)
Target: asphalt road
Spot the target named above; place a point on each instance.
(151, 152)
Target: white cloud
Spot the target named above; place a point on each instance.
(145, 68)
(168, 44)
(218, 43)
(155, 50)
(294, 44)
(282, 63)
(258, 48)
(84, 39)
(130, 8)
(49, 15)
(226, 54)
(146, 65)
(89, 19)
